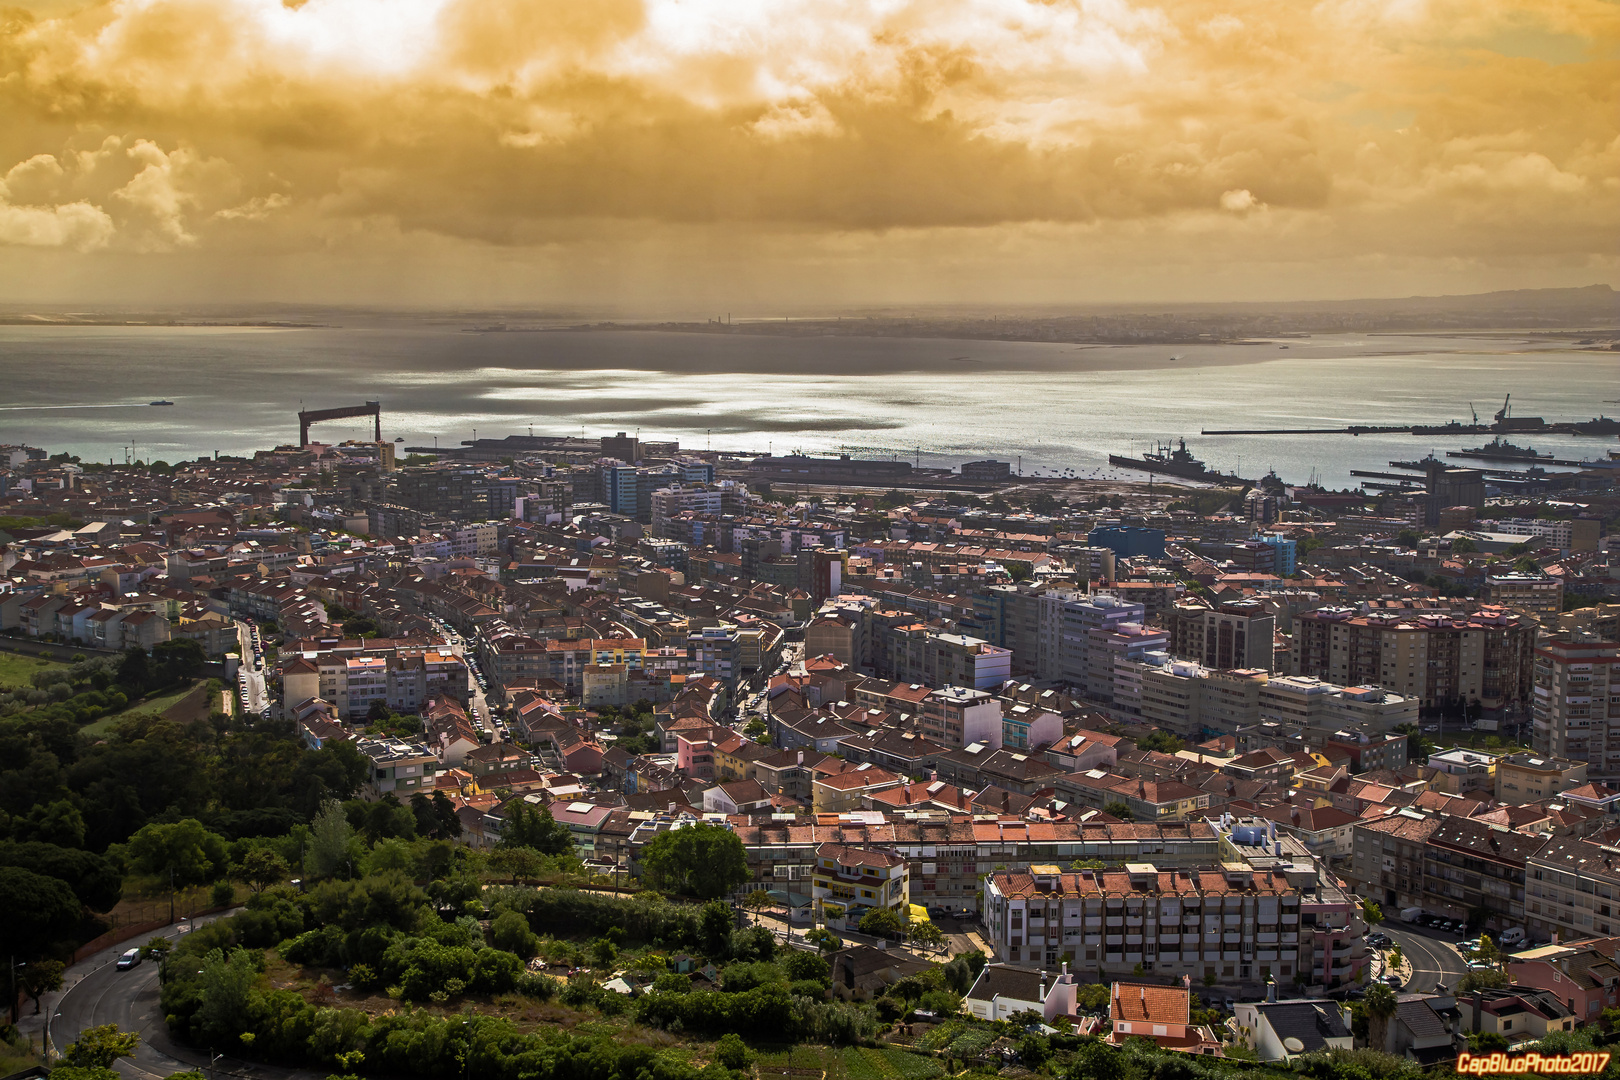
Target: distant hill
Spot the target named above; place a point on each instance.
(1597, 299)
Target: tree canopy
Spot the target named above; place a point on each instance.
(534, 827)
(706, 861)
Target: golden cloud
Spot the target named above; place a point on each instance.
(1431, 127)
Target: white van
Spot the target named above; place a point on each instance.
(1513, 935)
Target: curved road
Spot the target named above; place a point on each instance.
(1435, 959)
(98, 993)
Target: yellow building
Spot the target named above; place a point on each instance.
(849, 881)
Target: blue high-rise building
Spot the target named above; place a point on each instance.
(1128, 541)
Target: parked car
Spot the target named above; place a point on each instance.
(1393, 982)
(129, 959)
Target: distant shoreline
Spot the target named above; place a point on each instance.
(156, 324)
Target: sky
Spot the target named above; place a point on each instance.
(796, 155)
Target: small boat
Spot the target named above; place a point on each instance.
(160, 402)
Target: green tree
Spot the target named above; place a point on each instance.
(714, 924)
(1380, 1005)
(732, 1052)
(534, 827)
(1463, 546)
(329, 837)
(1482, 980)
(823, 939)
(699, 860)
(135, 670)
(57, 823)
(520, 862)
(39, 978)
(39, 911)
(1160, 741)
(1485, 1042)
(183, 853)
(177, 660)
(511, 931)
(801, 966)
(926, 934)
(757, 901)
(1094, 1059)
(1034, 1051)
(1118, 809)
(883, 922)
(1372, 913)
(99, 1047)
(226, 983)
(260, 868)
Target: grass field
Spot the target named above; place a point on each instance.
(15, 668)
(153, 704)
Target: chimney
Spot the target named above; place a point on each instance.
(801, 757)
(1478, 1007)
(1271, 989)
(1186, 982)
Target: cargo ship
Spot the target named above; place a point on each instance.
(1176, 462)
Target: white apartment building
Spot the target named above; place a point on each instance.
(1067, 621)
(1576, 705)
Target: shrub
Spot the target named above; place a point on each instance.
(495, 971)
(510, 931)
(732, 1052)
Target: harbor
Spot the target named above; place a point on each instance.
(1502, 423)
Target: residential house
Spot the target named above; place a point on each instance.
(1282, 1030)
(1160, 1013)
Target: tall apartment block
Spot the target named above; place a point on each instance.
(1576, 706)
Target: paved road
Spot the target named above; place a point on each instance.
(258, 693)
(1434, 957)
(96, 992)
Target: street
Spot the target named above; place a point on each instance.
(96, 992)
(477, 702)
(1435, 959)
(258, 696)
